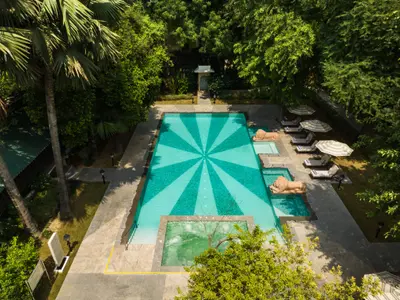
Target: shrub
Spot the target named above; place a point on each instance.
(17, 260)
(41, 183)
(183, 84)
(177, 83)
(256, 93)
(175, 97)
(215, 84)
(10, 224)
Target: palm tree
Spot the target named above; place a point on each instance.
(66, 41)
(17, 199)
(11, 187)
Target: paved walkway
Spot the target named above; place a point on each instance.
(203, 98)
(105, 269)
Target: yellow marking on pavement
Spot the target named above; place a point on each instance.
(109, 259)
(106, 272)
(143, 273)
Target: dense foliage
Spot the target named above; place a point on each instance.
(362, 71)
(17, 261)
(248, 269)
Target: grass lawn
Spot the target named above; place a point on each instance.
(114, 145)
(85, 200)
(359, 171)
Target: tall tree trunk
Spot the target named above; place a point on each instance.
(65, 210)
(17, 200)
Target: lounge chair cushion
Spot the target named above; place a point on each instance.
(310, 148)
(325, 173)
(293, 129)
(310, 136)
(291, 122)
(333, 170)
(317, 162)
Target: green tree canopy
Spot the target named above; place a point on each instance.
(181, 29)
(17, 261)
(252, 268)
(272, 48)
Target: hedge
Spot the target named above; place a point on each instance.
(175, 97)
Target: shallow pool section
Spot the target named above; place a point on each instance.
(265, 148)
(186, 240)
(284, 205)
(203, 165)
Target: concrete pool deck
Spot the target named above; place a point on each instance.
(104, 269)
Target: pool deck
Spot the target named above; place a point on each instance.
(104, 269)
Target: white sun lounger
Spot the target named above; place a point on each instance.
(317, 162)
(306, 140)
(325, 173)
(294, 122)
(293, 129)
(306, 149)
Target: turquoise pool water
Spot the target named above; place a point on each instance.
(265, 148)
(284, 205)
(186, 240)
(203, 164)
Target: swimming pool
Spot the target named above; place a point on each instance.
(284, 205)
(186, 240)
(203, 164)
(265, 148)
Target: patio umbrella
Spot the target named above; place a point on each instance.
(390, 285)
(302, 110)
(334, 148)
(315, 126)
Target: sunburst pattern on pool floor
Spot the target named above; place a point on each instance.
(203, 164)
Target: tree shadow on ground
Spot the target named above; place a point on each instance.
(341, 240)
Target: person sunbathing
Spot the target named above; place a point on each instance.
(262, 135)
(284, 186)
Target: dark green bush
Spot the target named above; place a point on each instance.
(17, 261)
(183, 85)
(256, 93)
(175, 97)
(42, 182)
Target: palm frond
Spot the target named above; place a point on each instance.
(75, 17)
(107, 129)
(39, 43)
(15, 11)
(3, 109)
(50, 9)
(109, 11)
(14, 46)
(53, 39)
(74, 65)
(104, 42)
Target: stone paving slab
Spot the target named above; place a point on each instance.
(172, 282)
(134, 258)
(100, 286)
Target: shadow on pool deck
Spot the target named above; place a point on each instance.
(341, 240)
